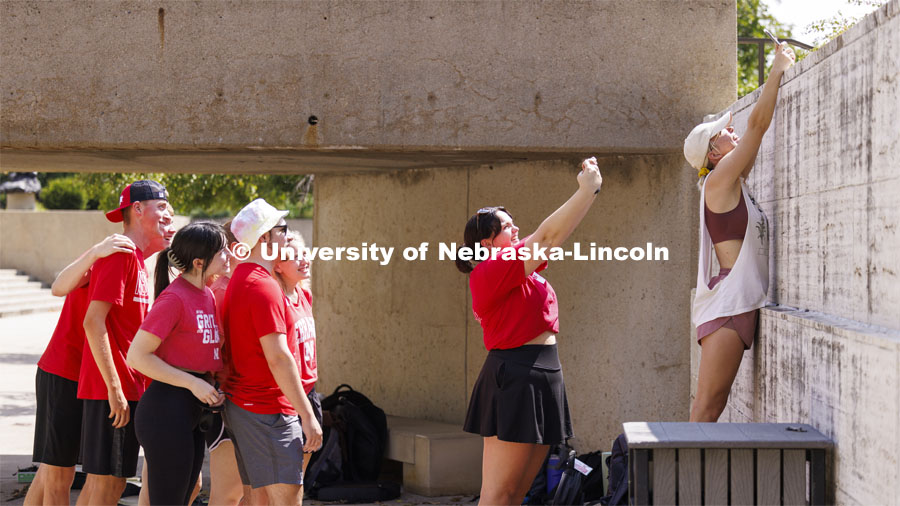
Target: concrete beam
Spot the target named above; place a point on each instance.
(212, 86)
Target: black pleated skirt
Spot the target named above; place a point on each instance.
(520, 397)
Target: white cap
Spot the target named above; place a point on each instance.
(254, 220)
(696, 145)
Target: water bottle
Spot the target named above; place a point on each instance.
(554, 472)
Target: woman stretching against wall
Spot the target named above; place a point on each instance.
(726, 306)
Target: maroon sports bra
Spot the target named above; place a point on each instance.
(728, 225)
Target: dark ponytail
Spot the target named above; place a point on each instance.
(201, 239)
(482, 225)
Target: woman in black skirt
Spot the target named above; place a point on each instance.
(519, 401)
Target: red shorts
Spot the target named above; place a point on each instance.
(744, 324)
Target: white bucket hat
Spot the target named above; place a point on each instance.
(254, 220)
(696, 145)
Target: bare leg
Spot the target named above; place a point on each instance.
(56, 483)
(144, 496)
(255, 497)
(306, 457)
(284, 494)
(719, 364)
(35, 494)
(508, 470)
(101, 490)
(224, 479)
(197, 487)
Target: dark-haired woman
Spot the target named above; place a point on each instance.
(178, 347)
(519, 402)
(735, 230)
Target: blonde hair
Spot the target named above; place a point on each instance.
(297, 242)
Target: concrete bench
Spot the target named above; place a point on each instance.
(438, 458)
(726, 463)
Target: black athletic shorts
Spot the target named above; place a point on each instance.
(106, 450)
(57, 424)
(520, 397)
(217, 432)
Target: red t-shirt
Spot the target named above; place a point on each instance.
(63, 354)
(254, 308)
(121, 280)
(218, 288)
(302, 329)
(512, 308)
(184, 317)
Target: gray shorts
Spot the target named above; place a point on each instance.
(269, 448)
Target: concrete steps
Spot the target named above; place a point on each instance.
(20, 295)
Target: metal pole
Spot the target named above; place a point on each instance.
(762, 62)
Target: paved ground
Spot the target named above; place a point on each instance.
(22, 341)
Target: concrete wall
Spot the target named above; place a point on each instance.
(404, 333)
(229, 86)
(828, 176)
(498, 98)
(42, 244)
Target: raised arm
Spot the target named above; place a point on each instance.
(77, 273)
(557, 227)
(739, 161)
(141, 356)
(284, 370)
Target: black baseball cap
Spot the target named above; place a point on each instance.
(136, 192)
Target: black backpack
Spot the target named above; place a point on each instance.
(573, 487)
(354, 442)
(618, 473)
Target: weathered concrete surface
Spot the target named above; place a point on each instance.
(828, 176)
(229, 86)
(42, 244)
(840, 376)
(404, 333)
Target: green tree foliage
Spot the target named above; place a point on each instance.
(752, 17)
(826, 29)
(209, 195)
(63, 193)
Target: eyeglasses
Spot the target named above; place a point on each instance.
(485, 210)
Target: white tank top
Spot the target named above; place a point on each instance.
(745, 287)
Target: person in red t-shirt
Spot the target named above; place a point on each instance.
(178, 347)
(57, 434)
(119, 298)
(225, 480)
(293, 276)
(263, 383)
(518, 403)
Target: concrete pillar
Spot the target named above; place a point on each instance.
(21, 201)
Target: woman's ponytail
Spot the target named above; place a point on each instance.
(161, 275)
(464, 266)
(199, 240)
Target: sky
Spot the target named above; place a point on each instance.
(801, 13)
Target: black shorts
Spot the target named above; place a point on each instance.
(520, 397)
(316, 402)
(57, 424)
(216, 433)
(106, 450)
